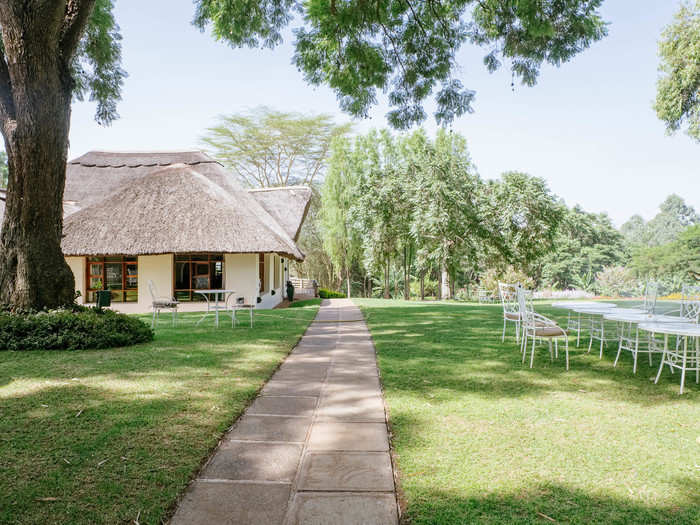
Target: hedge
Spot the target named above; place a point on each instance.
(325, 293)
(70, 329)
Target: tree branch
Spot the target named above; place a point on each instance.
(76, 18)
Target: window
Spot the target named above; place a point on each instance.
(197, 271)
(118, 274)
(261, 271)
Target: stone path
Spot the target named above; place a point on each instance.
(313, 448)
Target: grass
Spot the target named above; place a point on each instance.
(305, 302)
(113, 436)
(479, 438)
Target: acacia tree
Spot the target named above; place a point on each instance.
(678, 88)
(55, 50)
(274, 148)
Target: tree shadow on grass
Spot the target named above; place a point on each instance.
(548, 503)
(461, 348)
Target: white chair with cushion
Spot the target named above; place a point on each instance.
(511, 308)
(161, 303)
(242, 303)
(535, 326)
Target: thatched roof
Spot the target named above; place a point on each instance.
(148, 203)
(288, 206)
(176, 209)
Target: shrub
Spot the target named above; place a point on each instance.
(70, 329)
(305, 302)
(325, 293)
(490, 279)
(616, 281)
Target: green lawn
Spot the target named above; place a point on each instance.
(481, 439)
(109, 436)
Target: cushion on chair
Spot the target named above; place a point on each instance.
(165, 304)
(512, 316)
(549, 331)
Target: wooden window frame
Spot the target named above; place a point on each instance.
(101, 260)
(192, 294)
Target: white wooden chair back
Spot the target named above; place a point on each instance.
(509, 298)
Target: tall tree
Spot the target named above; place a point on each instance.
(674, 216)
(268, 148)
(52, 52)
(57, 50)
(678, 88)
(340, 238)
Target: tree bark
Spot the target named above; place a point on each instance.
(386, 280)
(35, 104)
(347, 278)
(422, 286)
(444, 284)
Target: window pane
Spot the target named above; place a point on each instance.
(91, 297)
(182, 276)
(113, 276)
(217, 274)
(117, 296)
(201, 269)
(132, 276)
(216, 257)
(199, 257)
(131, 296)
(130, 259)
(182, 296)
(95, 283)
(113, 259)
(182, 256)
(95, 269)
(200, 283)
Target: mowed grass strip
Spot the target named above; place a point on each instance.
(481, 438)
(109, 436)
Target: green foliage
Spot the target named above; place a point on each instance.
(70, 330)
(268, 148)
(674, 217)
(616, 281)
(97, 71)
(584, 245)
(678, 89)
(407, 49)
(490, 278)
(325, 293)
(304, 303)
(677, 262)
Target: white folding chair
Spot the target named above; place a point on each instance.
(535, 326)
(161, 303)
(511, 309)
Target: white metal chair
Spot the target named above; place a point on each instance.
(690, 303)
(511, 308)
(242, 303)
(161, 303)
(535, 326)
(484, 296)
(651, 292)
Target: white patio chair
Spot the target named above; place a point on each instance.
(484, 296)
(535, 326)
(511, 309)
(241, 303)
(651, 292)
(161, 303)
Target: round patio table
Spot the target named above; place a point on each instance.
(573, 323)
(626, 319)
(675, 358)
(597, 325)
(216, 306)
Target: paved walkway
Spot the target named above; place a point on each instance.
(313, 447)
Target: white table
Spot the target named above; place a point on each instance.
(574, 324)
(674, 358)
(626, 319)
(220, 293)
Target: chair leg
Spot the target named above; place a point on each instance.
(566, 342)
(551, 355)
(685, 361)
(532, 354)
(556, 349)
(153, 321)
(663, 360)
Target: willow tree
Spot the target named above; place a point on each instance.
(56, 50)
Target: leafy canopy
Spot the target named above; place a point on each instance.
(408, 48)
(268, 148)
(678, 89)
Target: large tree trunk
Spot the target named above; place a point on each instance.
(386, 280)
(347, 280)
(444, 284)
(35, 104)
(422, 286)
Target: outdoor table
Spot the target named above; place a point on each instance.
(596, 330)
(674, 359)
(216, 306)
(625, 319)
(573, 324)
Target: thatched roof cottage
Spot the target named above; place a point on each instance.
(180, 220)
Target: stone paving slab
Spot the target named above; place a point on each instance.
(313, 447)
(346, 471)
(252, 427)
(284, 405)
(371, 437)
(322, 508)
(232, 503)
(240, 460)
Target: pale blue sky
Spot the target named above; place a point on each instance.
(587, 128)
